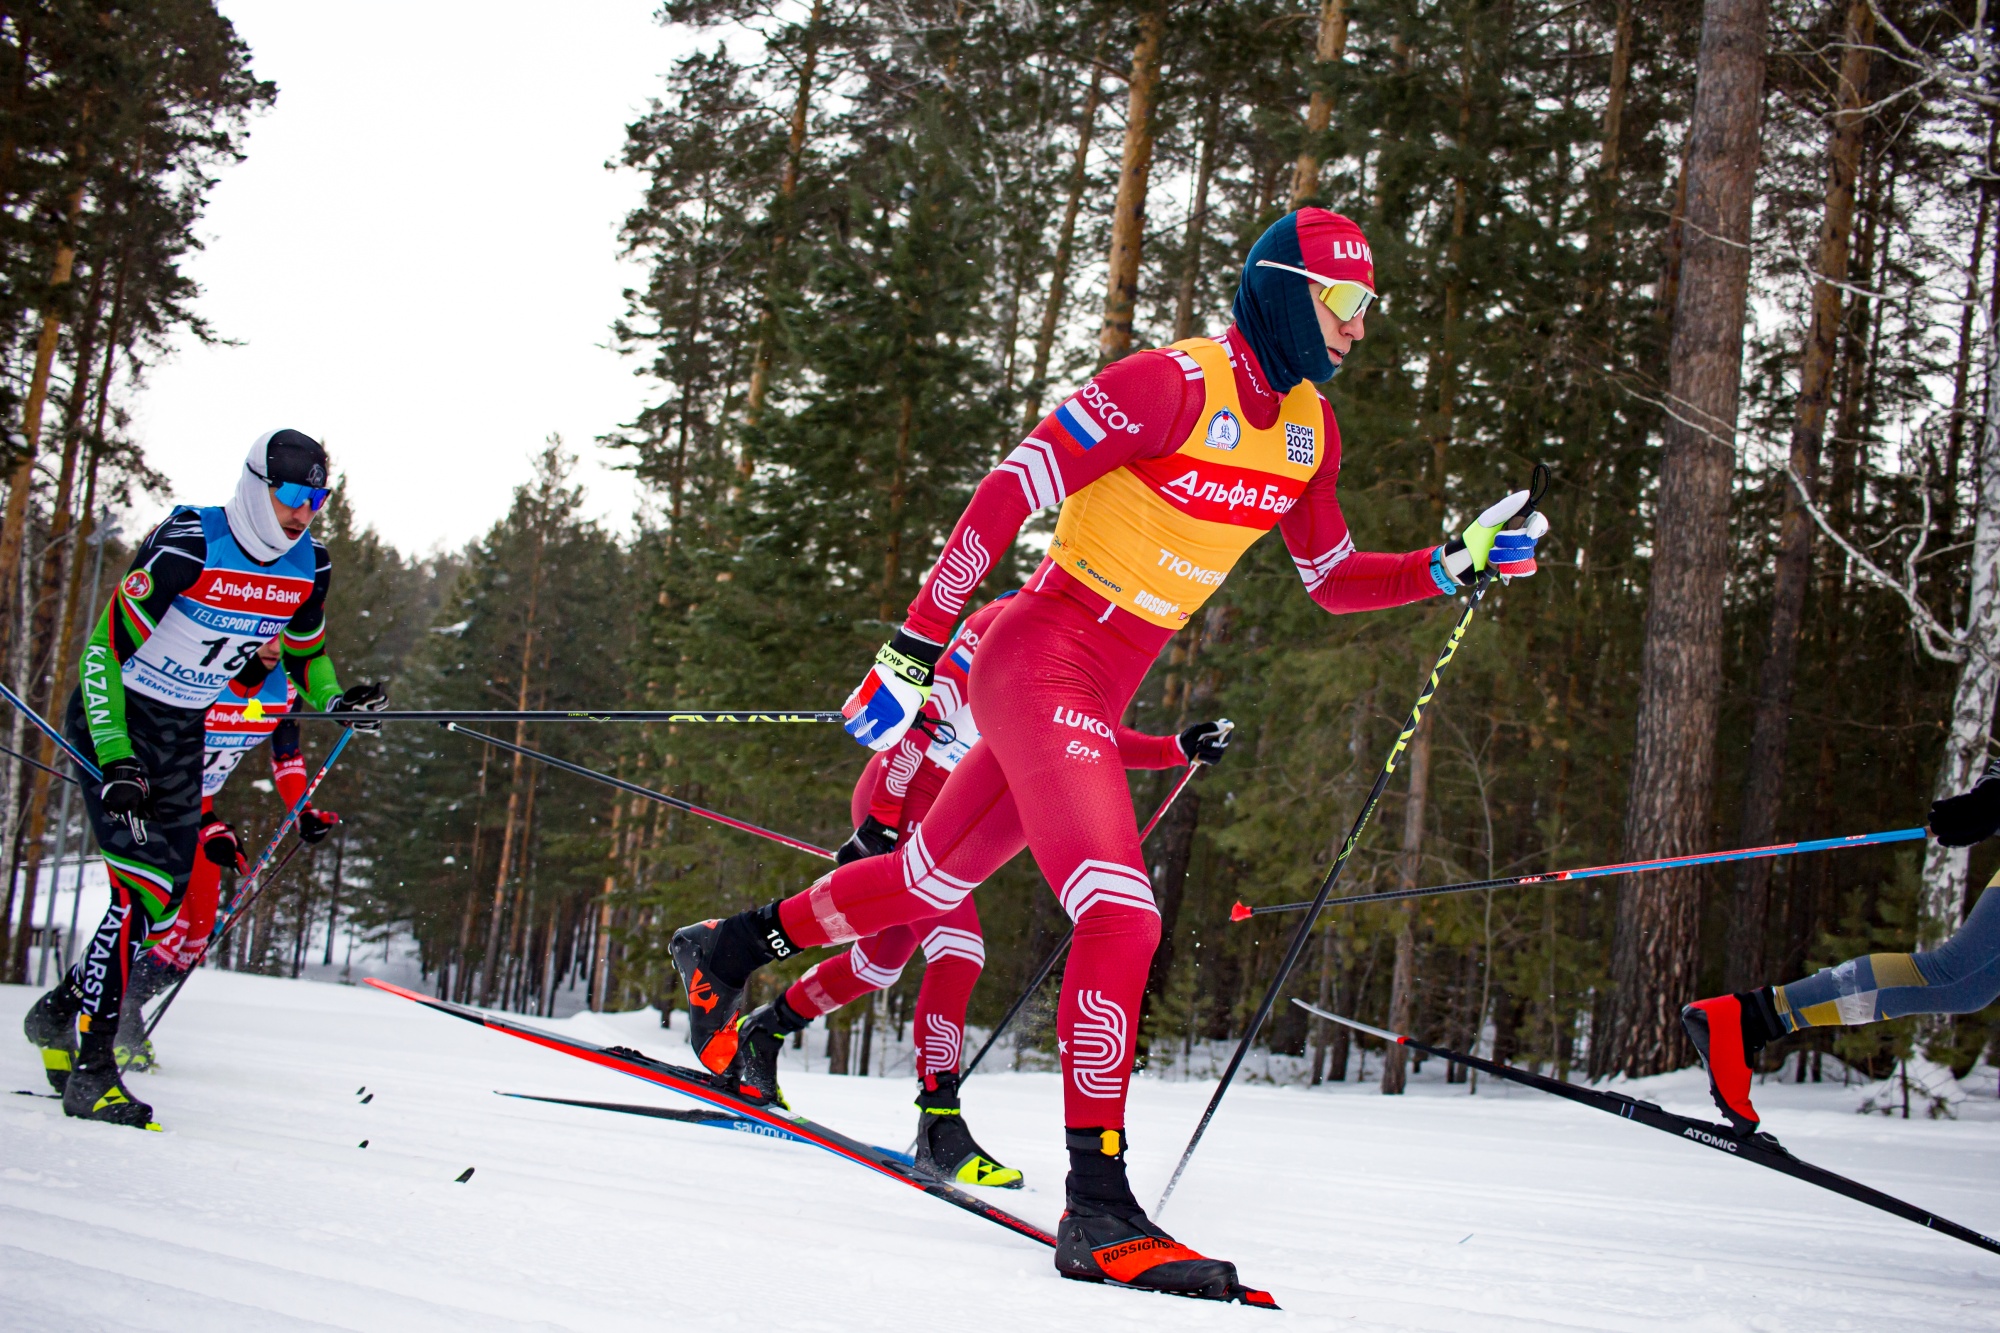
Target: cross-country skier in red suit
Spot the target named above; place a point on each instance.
(891, 799)
(1168, 466)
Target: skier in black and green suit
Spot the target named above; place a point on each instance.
(207, 589)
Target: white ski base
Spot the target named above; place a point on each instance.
(1510, 1210)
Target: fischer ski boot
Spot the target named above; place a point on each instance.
(1104, 1235)
(946, 1148)
(133, 1047)
(715, 959)
(759, 1038)
(95, 1091)
(50, 1024)
(1730, 1031)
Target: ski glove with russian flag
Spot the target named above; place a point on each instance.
(889, 697)
(1486, 542)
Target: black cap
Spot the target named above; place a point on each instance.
(291, 455)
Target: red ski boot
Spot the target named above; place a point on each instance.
(1730, 1031)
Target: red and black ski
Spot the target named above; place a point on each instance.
(1763, 1149)
(699, 1086)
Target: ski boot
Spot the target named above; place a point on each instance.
(95, 1091)
(51, 1025)
(759, 1038)
(1730, 1031)
(1104, 1235)
(133, 1047)
(945, 1147)
(715, 959)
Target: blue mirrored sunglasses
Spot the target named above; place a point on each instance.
(292, 494)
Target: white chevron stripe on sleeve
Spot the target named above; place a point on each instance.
(1033, 463)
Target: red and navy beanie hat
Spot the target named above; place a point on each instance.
(1273, 308)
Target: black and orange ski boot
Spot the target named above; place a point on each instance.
(1104, 1235)
(1730, 1031)
(50, 1024)
(759, 1038)
(715, 959)
(95, 1091)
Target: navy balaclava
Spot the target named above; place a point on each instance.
(1274, 308)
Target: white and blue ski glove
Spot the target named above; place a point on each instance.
(1485, 542)
(889, 697)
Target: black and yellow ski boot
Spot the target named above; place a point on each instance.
(51, 1025)
(945, 1146)
(95, 1091)
(133, 1047)
(1105, 1236)
(759, 1038)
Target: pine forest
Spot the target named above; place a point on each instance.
(1730, 270)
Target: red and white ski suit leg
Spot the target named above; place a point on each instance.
(1054, 677)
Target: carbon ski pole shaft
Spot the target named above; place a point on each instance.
(1062, 947)
(702, 1088)
(254, 882)
(48, 728)
(691, 715)
(1762, 1149)
(622, 785)
(1243, 912)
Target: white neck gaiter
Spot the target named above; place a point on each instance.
(252, 521)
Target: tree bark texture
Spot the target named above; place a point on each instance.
(1079, 175)
(1128, 212)
(1656, 942)
(1764, 781)
(1330, 48)
(493, 935)
(788, 189)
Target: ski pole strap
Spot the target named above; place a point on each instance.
(1304, 932)
(622, 785)
(43, 725)
(721, 715)
(1241, 912)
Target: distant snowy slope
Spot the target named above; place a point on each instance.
(257, 1209)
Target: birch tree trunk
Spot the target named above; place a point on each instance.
(1764, 780)
(1979, 679)
(1656, 944)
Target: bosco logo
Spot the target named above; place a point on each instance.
(138, 585)
(1108, 412)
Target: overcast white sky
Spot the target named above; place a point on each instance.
(419, 256)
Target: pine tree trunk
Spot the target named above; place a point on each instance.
(493, 929)
(1655, 952)
(600, 963)
(1764, 779)
(1197, 223)
(1079, 176)
(788, 189)
(1128, 212)
(1330, 48)
(1403, 981)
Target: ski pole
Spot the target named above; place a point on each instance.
(44, 726)
(633, 787)
(253, 883)
(36, 763)
(1304, 932)
(1062, 947)
(1243, 912)
(580, 715)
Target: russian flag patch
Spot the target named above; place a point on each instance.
(1075, 422)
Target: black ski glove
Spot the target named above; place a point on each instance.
(873, 838)
(126, 791)
(314, 825)
(1206, 742)
(1960, 821)
(367, 697)
(220, 844)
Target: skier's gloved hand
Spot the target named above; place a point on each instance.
(367, 697)
(126, 791)
(1471, 550)
(1513, 554)
(314, 825)
(873, 838)
(1206, 742)
(220, 844)
(1969, 817)
(889, 697)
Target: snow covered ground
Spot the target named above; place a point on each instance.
(258, 1209)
